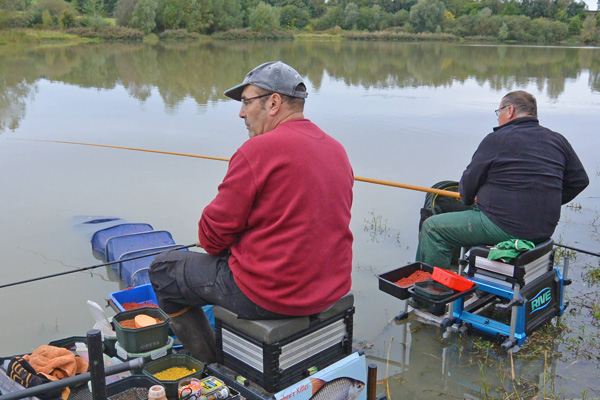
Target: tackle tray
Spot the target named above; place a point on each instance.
(432, 290)
(387, 280)
(437, 306)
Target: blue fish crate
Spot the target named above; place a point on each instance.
(119, 245)
(100, 238)
(134, 271)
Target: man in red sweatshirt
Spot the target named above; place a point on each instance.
(277, 234)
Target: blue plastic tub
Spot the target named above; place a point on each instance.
(144, 293)
(100, 238)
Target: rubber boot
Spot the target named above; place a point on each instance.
(195, 333)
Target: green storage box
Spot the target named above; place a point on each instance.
(141, 340)
(173, 360)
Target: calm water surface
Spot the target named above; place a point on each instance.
(406, 112)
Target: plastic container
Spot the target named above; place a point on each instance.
(157, 392)
(138, 383)
(387, 280)
(173, 360)
(451, 279)
(140, 340)
(145, 293)
(433, 290)
(155, 354)
(139, 294)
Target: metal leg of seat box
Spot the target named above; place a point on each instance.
(449, 321)
(513, 318)
(404, 313)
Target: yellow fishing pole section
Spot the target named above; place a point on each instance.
(356, 178)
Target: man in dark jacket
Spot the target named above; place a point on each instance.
(518, 179)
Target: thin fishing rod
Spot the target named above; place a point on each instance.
(356, 178)
(93, 266)
(578, 250)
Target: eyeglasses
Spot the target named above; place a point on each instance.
(500, 109)
(247, 101)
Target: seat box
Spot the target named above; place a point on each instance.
(275, 354)
(353, 366)
(544, 300)
(522, 269)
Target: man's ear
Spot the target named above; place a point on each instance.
(274, 104)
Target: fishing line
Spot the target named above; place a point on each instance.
(356, 178)
(93, 266)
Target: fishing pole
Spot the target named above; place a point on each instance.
(356, 178)
(93, 266)
(578, 250)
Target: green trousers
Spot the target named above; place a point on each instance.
(442, 233)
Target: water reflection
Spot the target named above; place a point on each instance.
(202, 71)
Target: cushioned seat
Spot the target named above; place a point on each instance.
(272, 331)
(523, 269)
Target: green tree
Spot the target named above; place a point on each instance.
(503, 32)
(575, 25)
(332, 18)
(143, 17)
(169, 14)
(76, 4)
(589, 33)
(399, 18)
(67, 20)
(15, 5)
(264, 18)
(427, 15)
(94, 8)
(198, 16)
(293, 17)
(228, 15)
(47, 19)
(371, 18)
(124, 10)
(316, 8)
(48, 12)
(351, 16)
(511, 8)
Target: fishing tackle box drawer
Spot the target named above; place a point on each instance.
(278, 353)
(388, 281)
(522, 269)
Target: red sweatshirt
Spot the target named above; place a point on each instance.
(284, 211)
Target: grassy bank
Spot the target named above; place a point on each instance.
(117, 33)
(35, 36)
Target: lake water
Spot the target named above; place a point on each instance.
(412, 113)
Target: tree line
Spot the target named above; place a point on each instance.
(518, 20)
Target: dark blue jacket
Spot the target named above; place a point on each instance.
(521, 174)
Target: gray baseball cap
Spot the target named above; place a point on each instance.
(275, 76)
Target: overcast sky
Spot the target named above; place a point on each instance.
(592, 4)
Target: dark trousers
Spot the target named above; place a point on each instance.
(187, 278)
(441, 233)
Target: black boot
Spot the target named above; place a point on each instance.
(195, 333)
